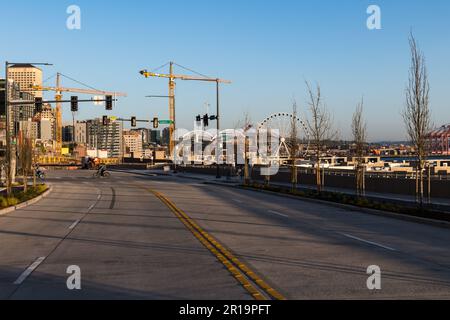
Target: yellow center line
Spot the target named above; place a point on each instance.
(237, 268)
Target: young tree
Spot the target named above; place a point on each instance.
(417, 113)
(320, 126)
(294, 143)
(359, 131)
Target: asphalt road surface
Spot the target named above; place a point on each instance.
(130, 243)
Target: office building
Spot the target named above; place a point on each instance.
(26, 75)
(81, 132)
(105, 138)
(133, 144)
(155, 137)
(67, 134)
(18, 113)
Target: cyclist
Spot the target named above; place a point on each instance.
(101, 170)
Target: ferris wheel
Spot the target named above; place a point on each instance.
(286, 126)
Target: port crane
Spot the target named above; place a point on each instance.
(172, 77)
(58, 97)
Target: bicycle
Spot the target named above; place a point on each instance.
(98, 175)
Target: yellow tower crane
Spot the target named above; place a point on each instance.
(172, 77)
(58, 97)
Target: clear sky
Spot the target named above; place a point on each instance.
(267, 48)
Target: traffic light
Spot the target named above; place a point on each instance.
(133, 122)
(155, 123)
(38, 104)
(105, 120)
(199, 118)
(74, 104)
(206, 120)
(109, 103)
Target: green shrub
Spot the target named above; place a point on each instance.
(3, 202)
(12, 201)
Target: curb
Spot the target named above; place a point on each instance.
(27, 203)
(387, 214)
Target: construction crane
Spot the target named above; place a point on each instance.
(58, 97)
(172, 77)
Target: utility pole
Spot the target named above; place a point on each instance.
(219, 148)
(8, 135)
(58, 130)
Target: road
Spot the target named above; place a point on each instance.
(130, 239)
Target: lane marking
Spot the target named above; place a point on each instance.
(99, 197)
(236, 200)
(278, 213)
(368, 242)
(91, 207)
(29, 271)
(74, 224)
(241, 272)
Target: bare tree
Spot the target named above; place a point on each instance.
(417, 113)
(25, 156)
(359, 132)
(320, 126)
(294, 142)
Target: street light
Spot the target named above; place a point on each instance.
(8, 134)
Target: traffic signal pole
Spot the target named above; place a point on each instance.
(8, 136)
(218, 157)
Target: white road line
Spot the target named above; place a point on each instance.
(369, 242)
(236, 200)
(91, 207)
(29, 271)
(278, 213)
(99, 197)
(74, 224)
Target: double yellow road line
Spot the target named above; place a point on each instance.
(251, 282)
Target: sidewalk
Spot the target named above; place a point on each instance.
(441, 202)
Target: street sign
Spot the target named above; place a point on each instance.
(165, 122)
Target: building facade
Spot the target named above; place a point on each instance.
(105, 138)
(67, 134)
(26, 76)
(133, 144)
(81, 132)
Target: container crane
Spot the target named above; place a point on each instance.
(58, 97)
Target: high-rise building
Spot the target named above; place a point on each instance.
(165, 137)
(67, 134)
(133, 146)
(18, 113)
(47, 130)
(48, 115)
(155, 137)
(105, 138)
(26, 75)
(81, 132)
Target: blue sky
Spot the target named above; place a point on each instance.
(267, 48)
